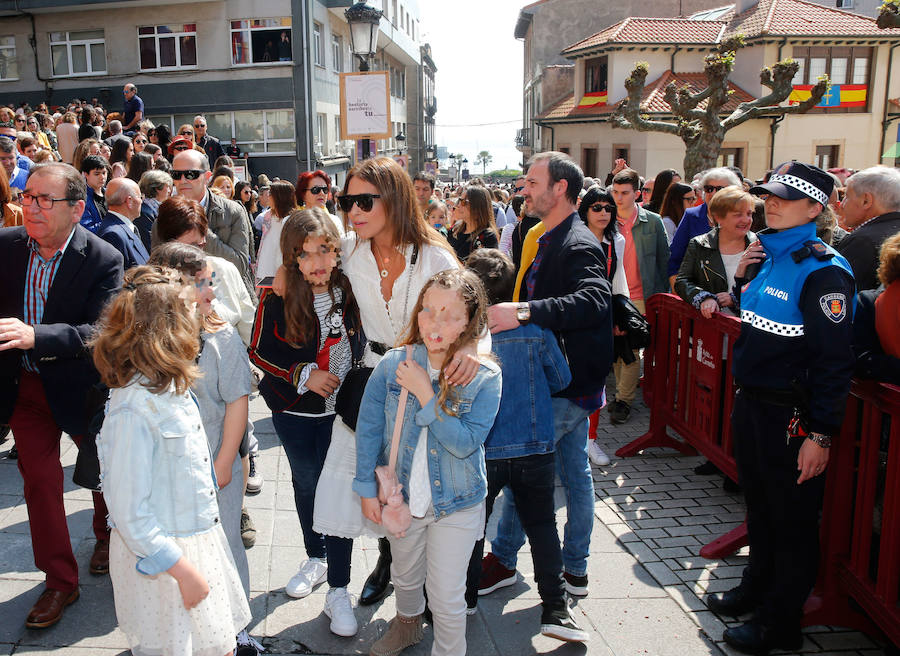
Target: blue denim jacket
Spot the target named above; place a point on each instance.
(455, 444)
(533, 369)
(156, 471)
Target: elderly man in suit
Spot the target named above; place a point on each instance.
(123, 198)
(58, 278)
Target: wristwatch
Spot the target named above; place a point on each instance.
(523, 313)
(821, 439)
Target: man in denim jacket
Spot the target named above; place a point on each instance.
(567, 291)
(519, 449)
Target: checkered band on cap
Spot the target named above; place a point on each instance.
(802, 185)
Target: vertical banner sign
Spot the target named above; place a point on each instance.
(365, 105)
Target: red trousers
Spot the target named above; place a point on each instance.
(37, 440)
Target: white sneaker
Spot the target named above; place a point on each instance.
(311, 573)
(596, 454)
(340, 609)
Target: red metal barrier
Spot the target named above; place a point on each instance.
(861, 517)
(688, 386)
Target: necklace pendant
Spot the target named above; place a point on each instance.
(384, 273)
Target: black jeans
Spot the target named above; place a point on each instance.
(782, 517)
(532, 480)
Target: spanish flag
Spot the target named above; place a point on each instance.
(593, 99)
(838, 95)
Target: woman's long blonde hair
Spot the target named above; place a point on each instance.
(148, 329)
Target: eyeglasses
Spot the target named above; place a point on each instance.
(181, 147)
(602, 208)
(19, 119)
(647, 190)
(711, 189)
(185, 133)
(190, 174)
(320, 189)
(140, 141)
(363, 201)
(197, 127)
(518, 189)
(44, 201)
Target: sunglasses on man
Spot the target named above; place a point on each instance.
(712, 189)
(364, 202)
(190, 174)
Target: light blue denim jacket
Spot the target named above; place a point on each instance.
(533, 369)
(455, 444)
(156, 471)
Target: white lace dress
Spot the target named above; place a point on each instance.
(337, 507)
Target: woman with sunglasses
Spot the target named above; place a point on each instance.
(475, 227)
(313, 188)
(388, 253)
(140, 142)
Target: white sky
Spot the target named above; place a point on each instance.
(479, 76)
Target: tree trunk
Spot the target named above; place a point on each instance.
(702, 153)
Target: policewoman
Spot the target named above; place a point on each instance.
(793, 364)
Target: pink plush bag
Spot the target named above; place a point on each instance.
(395, 515)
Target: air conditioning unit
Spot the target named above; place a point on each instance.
(844, 4)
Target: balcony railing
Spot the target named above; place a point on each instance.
(523, 138)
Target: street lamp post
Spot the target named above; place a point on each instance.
(363, 21)
(465, 163)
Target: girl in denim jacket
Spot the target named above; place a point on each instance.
(440, 462)
(177, 590)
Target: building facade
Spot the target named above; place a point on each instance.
(854, 125)
(264, 73)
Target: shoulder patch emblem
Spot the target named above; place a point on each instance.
(834, 306)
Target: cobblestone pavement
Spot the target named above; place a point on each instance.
(646, 578)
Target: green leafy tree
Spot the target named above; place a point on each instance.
(703, 130)
(484, 158)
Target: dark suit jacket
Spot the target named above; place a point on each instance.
(114, 231)
(89, 274)
(861, 248)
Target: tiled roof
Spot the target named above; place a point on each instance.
(653, 100)
(653, 31)
(766, 18)
(802, 18)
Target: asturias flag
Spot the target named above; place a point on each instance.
(593, 99)
(838, 95)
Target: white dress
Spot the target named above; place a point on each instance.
(337, 508)
(268, 258)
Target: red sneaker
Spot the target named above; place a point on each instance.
(494, 575)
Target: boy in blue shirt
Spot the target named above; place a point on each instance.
(519, 449)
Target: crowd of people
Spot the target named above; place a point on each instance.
(422, 346)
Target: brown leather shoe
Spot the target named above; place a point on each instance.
(100, 559)
(49, 608)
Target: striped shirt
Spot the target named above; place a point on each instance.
(38, 277)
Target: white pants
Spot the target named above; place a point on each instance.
(437, 554)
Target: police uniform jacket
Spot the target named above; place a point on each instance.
(796, 325)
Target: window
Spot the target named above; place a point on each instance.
(731, 157)
(318, 46)
(595, 75)
(9, 68)
(78, 53)
(394, 14)
(322, 133)
(589, 162)
(337, 134)
(827, 156)
(843, 65)
(168, 46)
(337, 53)
(261, 41)
(268, 132)
(619, 151)
(398, 82)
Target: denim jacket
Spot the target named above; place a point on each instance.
(455, 444)
(533, 369)
(156, 471)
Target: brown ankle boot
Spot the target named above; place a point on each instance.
(402, 632)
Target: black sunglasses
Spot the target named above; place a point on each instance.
(597, 207)
(363, 201)
(190, 174)
(319, 189)
(711, 189)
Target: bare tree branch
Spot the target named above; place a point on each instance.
(628, 114)
(747, 111)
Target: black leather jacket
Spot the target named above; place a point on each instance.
(702, 272)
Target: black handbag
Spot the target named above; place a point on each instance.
(349, 396)
(629, 320)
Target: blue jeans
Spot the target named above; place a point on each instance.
(306, 441)
(570, 428)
